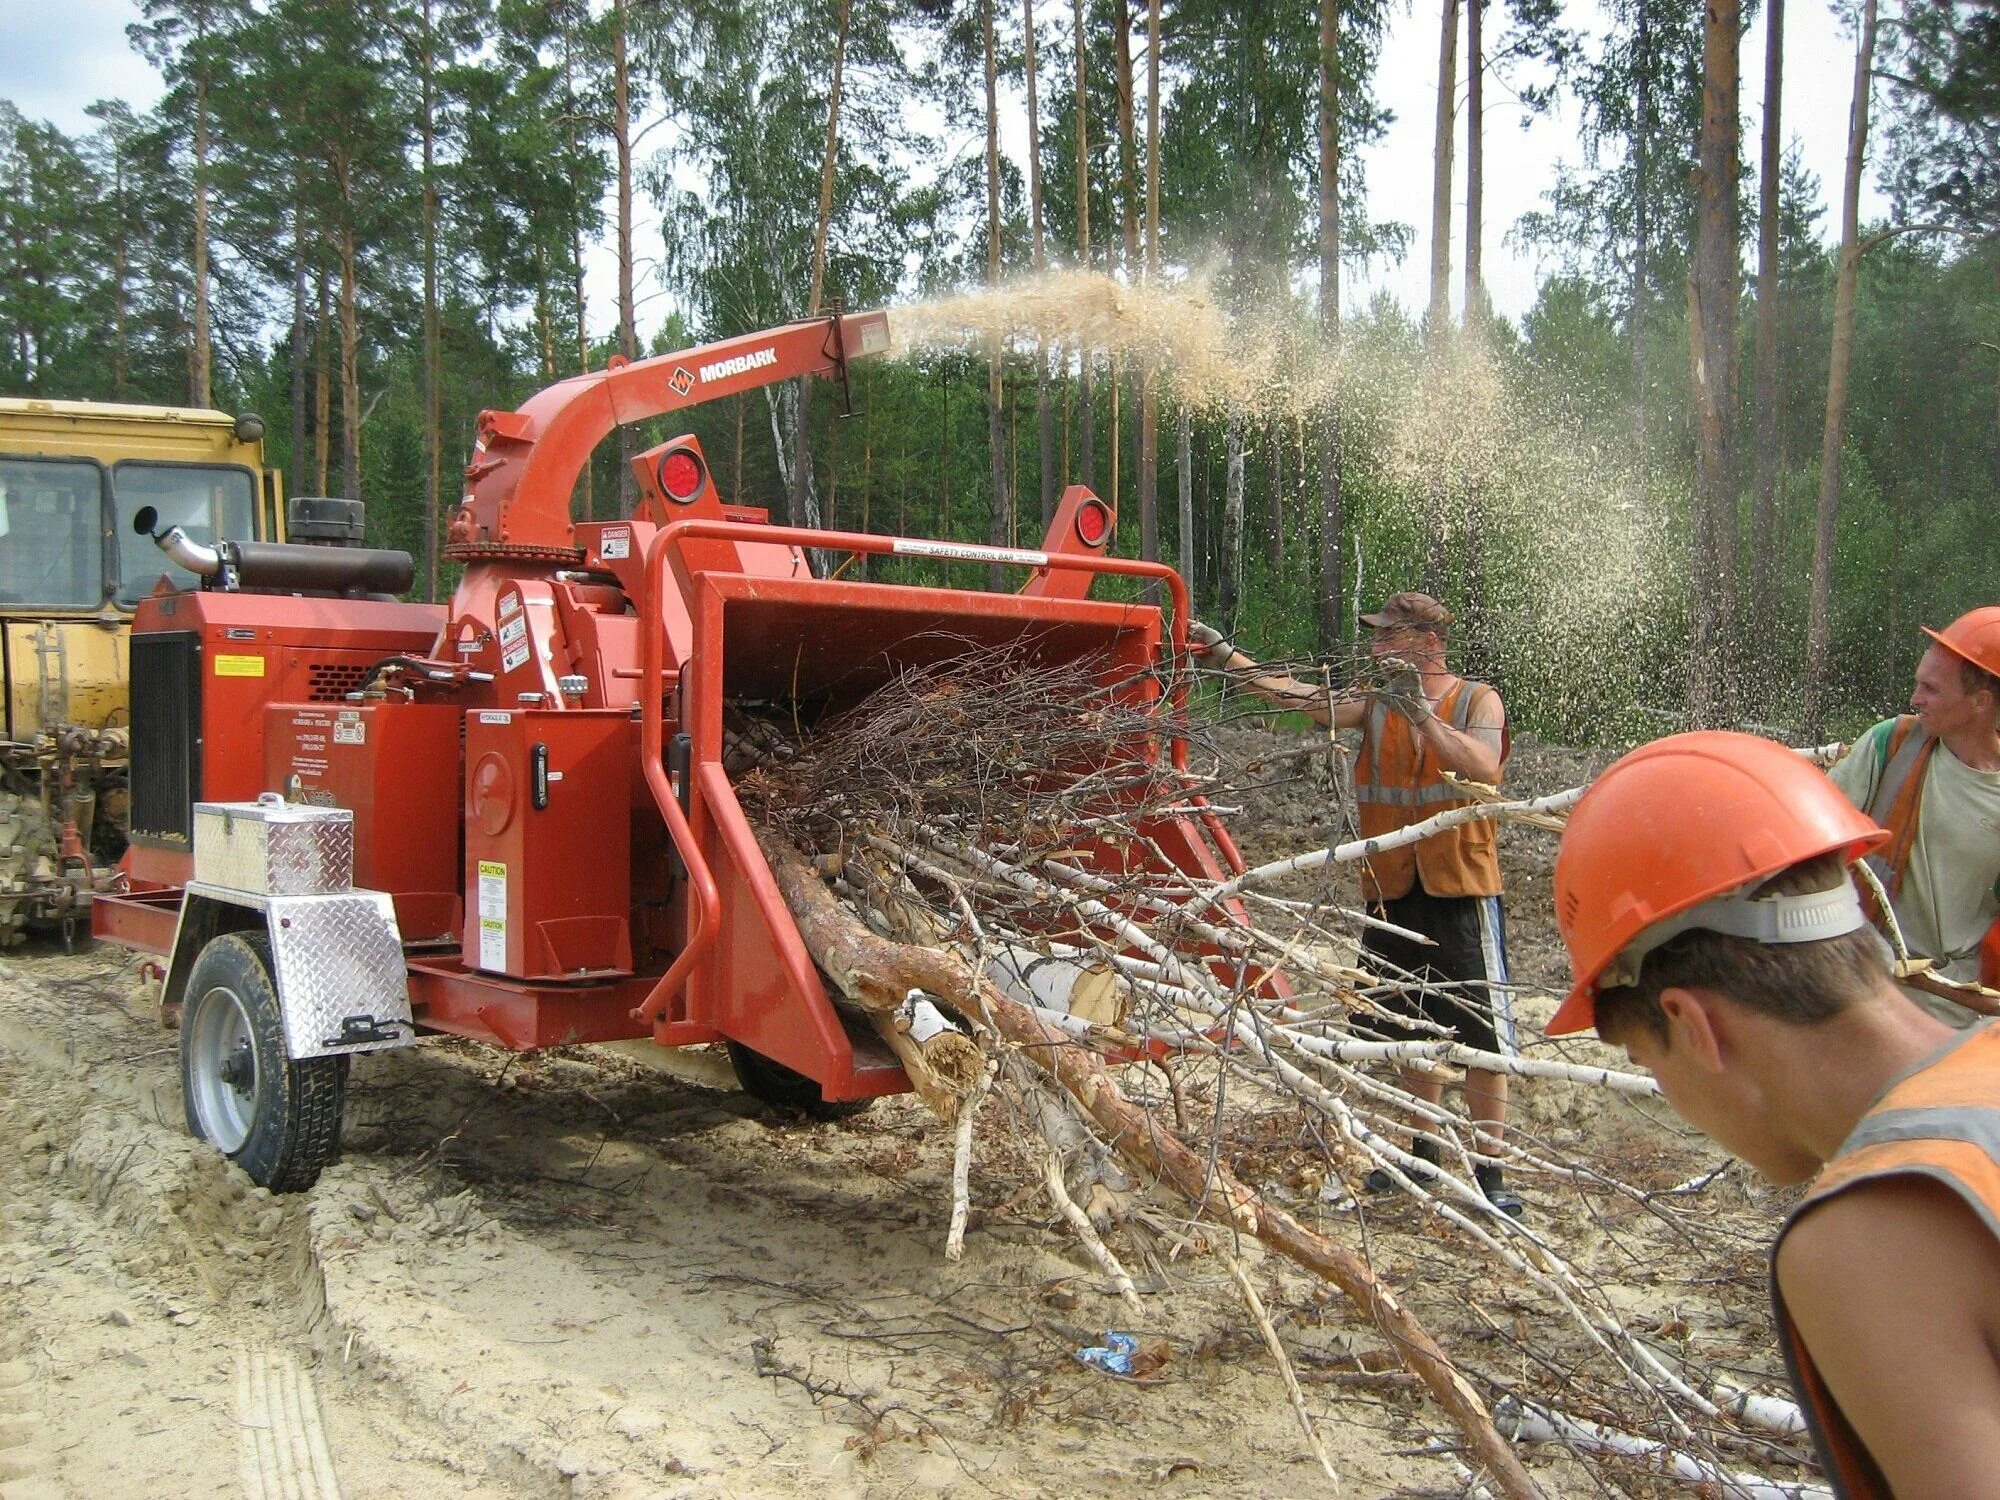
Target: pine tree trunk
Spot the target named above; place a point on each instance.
(350, 357)
(1128, 207)
(1475, 164)
(1184, 511)
(1045, 416)
(628, 331)
(301, 321)
(1117, 432)
(1149, 395)
(545, 315)
(322, 388)
(1474, 502)
(576, 245)
(202, 393)
(1231, 563)
(1712, 337)
(803, 502)
(828, 160)
(1437, 343)
(1819, 630)
(1331, 603)
(996, 578)
(1764, 501)
(1086, 441)
(1128, 148)
(1642, 104)
(121, 362)
(867, 474)
(1274, 515)
(433, 438)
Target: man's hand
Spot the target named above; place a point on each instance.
(1404, 693)
(1207, 646)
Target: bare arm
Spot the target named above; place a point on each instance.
(1474, 751)
(1283, 691)
(1895, 1286)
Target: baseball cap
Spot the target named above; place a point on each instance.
(1419, 611)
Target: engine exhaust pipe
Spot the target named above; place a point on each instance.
(178, 545)
(283, 565)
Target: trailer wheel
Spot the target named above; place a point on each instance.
(772, 1083)
(277, 1118)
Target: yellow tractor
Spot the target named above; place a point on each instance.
(72, 476)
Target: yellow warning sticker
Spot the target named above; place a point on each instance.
(492, 915)
(239, 666)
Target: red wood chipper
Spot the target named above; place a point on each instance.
(356, 821)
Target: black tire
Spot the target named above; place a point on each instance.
(276, 1118)
(773, 1083)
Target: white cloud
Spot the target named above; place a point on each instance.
(58, 58)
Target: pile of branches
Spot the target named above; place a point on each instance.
(990, 857)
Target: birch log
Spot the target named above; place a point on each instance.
(878, 976)
(884, 971)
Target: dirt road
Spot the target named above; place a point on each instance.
(597, 1281)
(593, 1278)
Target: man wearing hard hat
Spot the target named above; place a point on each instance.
(1704, 894)
(1932, 778)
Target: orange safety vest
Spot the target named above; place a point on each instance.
(1897, 805)
(1941, 1122)
(1899, 796)
(1398, 781)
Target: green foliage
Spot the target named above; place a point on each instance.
(1943, 61)
(1568, 552)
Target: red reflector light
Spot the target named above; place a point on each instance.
(1093, 523)
(680, 475)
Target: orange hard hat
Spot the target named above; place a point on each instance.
(1680, 823)
(1974, 635)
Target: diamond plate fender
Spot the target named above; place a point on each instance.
(336, 957)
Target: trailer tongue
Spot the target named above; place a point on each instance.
(532, 778)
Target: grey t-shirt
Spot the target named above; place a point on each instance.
(1946, 901)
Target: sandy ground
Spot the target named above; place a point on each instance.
(589, 1277)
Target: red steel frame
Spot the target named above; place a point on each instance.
(759, 986)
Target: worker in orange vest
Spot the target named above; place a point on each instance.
(1424, 721)
(1704, 895)
(1932, 778)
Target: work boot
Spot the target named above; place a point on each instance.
(1488, 1177)
(1379, 1181)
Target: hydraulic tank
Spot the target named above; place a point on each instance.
(548, 842)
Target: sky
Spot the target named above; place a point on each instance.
(53, 69)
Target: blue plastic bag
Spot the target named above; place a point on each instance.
(1113, 1356)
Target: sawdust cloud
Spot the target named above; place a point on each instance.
(1176, 325)
(1571, 533)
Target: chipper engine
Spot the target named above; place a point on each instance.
(356, 821)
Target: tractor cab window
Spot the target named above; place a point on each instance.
(209, 504)
(51, 534)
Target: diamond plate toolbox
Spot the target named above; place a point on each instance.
(272, 847)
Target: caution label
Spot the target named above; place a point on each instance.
(228, 665)
(493, 915)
